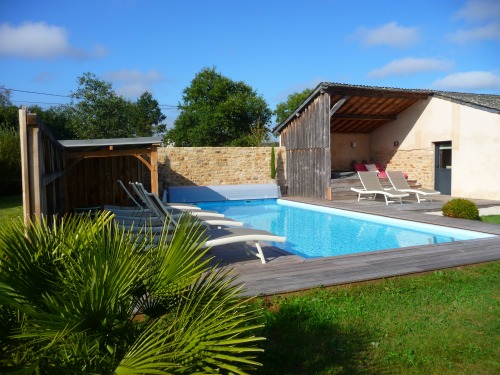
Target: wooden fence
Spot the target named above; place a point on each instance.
(42, 165)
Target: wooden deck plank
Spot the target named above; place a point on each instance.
(287, 273)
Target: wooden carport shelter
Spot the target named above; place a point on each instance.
(59, 176)
(334, 108)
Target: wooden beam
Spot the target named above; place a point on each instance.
(48, 178)
(337, 105)
(106, 153)
(378, 93)
(366, 117)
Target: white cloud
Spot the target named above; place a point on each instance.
(490, 31)
(133, 83)
(390, 34)
(475, 80)
(37, 40)
(485, 14)
(476, 10)
(409, 66)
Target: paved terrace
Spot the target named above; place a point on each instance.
(285, 273)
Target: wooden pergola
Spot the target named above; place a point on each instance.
(59, 176)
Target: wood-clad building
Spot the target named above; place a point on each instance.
(420, 132)
(329, 110)
(307, 141)
(59, 176)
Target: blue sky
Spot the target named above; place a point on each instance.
(276, 46)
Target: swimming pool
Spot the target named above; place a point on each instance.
(316, 231)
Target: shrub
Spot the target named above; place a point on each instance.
(273, 164)
(82, 296)
(461, 209)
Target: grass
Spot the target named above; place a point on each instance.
(495, 219)
(445, 322)
(11, 207)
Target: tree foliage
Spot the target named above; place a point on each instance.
(286, 108)
(80, 296)
(101, 113)
(217, 111)
(5, 97)
(147, 118)
(10, 160)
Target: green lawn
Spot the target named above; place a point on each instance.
(11, 207)
(495, 219)
(445, 322)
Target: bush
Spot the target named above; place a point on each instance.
(461, 209)
(10, 160)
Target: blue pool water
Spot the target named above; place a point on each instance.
(315, 231)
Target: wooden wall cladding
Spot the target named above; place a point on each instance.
(93, 182)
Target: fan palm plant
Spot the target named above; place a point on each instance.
(84, 296)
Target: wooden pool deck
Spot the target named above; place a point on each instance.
(284, 273)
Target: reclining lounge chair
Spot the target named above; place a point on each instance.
(179, 206)
(372, 186)
(398, 181)
(213, 237)
(139, 209)
(156, 213)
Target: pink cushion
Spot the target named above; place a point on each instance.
(382, 175)
(360, 168)
(379, 167)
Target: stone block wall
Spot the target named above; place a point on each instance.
(184, 166)
(419, 164)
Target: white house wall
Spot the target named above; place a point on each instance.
(475, 158)
(475, 136)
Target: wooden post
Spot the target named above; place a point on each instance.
(34, 140)
(154, 170)
(23, 136)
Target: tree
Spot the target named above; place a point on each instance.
(5, 97)
(82, 296)
(147, 118)
(285, 109)
(9, 116)
(58, 120)
(99, 112)
(10, 160)
(217, 111)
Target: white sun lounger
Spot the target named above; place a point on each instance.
(399, 182)
(179, 206)
(141, 210)
(212, 237)
(372, 186)
(157, 214)
(225, 236)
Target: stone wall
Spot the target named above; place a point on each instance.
(183, 166)
(419, 164)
